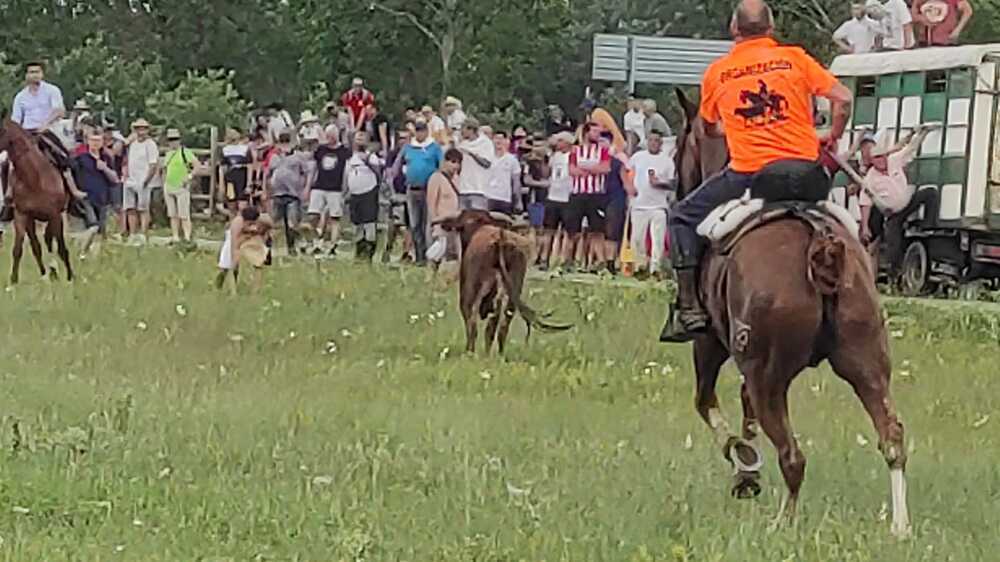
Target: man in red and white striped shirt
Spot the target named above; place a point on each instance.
(589, 165)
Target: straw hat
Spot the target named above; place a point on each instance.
(452, 100)
(173, 134)
(564, 136)
(141, 124)
(232, 136)
(308, 117)
(81, 105)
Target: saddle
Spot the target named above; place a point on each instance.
(787, 188)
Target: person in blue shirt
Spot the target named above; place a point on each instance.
(418, 161)
(96, 175)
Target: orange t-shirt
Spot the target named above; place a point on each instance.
(763, 94)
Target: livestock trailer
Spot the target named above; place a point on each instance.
(958, 88)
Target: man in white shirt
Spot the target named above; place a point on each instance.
(651, 186)
(142, 166)
(479, 153)
(454, 116)
(437, 127)
(859, 34)
(37, 108)
(887, 193)
(557, 199)
(504, 192)
(362, 173)
(897, 22)
(635, 122)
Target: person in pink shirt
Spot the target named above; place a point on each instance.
(888, 198)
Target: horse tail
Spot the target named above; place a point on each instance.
(513, 287)
(826, 256)
(825, 269)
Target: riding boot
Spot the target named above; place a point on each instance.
(686, 315)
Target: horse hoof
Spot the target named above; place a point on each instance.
(746, 486)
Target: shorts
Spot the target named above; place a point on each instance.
(135, 197)
(236, 186)
(614, 219)
(364, 207)
(555, 215)
(116, 196)
(326, 202)
(496, 206)
(178, 204)
(590, 207)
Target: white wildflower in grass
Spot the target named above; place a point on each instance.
(164, 473)
(983, 420)
(346, 333)
(236, 338)
(120, 548)
(136, 523)
(862, 442)
(142, 326)
(516, 492)
(20, 510)
(380, 364)
(414, 318)
(688, 442)
(485, 375)
(322, 480)
(292, 335)
(590, 316)
(444, 353)
(897, 334)
(440, 314)
(331, 347)
(181, 311)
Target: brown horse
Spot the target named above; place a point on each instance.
(39, 195)
(787, 296)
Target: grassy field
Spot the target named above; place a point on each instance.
(145, 416)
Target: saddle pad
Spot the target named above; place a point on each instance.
(725, 219)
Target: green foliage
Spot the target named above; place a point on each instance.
(199, 102)
(11, 81)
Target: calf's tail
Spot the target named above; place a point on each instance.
(513, 287)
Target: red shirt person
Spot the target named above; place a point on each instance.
(356, 100)
(940, 21)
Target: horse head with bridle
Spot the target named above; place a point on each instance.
(38, 195)
(789, 288)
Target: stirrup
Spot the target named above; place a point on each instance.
(683, 330)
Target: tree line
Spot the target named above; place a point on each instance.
(197, 63)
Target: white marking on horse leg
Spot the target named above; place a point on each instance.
(900, 512)
(719, 425)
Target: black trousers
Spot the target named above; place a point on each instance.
(895, 224)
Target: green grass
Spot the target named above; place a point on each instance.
(161, 420)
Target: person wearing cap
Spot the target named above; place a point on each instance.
(418, 161)
(888, 198)
(356, 100)
(454, 116)
(142, 165)
(234, 170)
(437, 126)
(179, 165)
(325, 196)
(309, 126)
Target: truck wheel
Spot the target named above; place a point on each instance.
(915, 275)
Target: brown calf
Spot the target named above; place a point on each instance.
(494, 262)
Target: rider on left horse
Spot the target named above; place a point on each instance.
(36, 109)
(786, 133)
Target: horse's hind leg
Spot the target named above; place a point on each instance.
(864, 363)
(36, 247)
(60, 235)
(770, 403)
